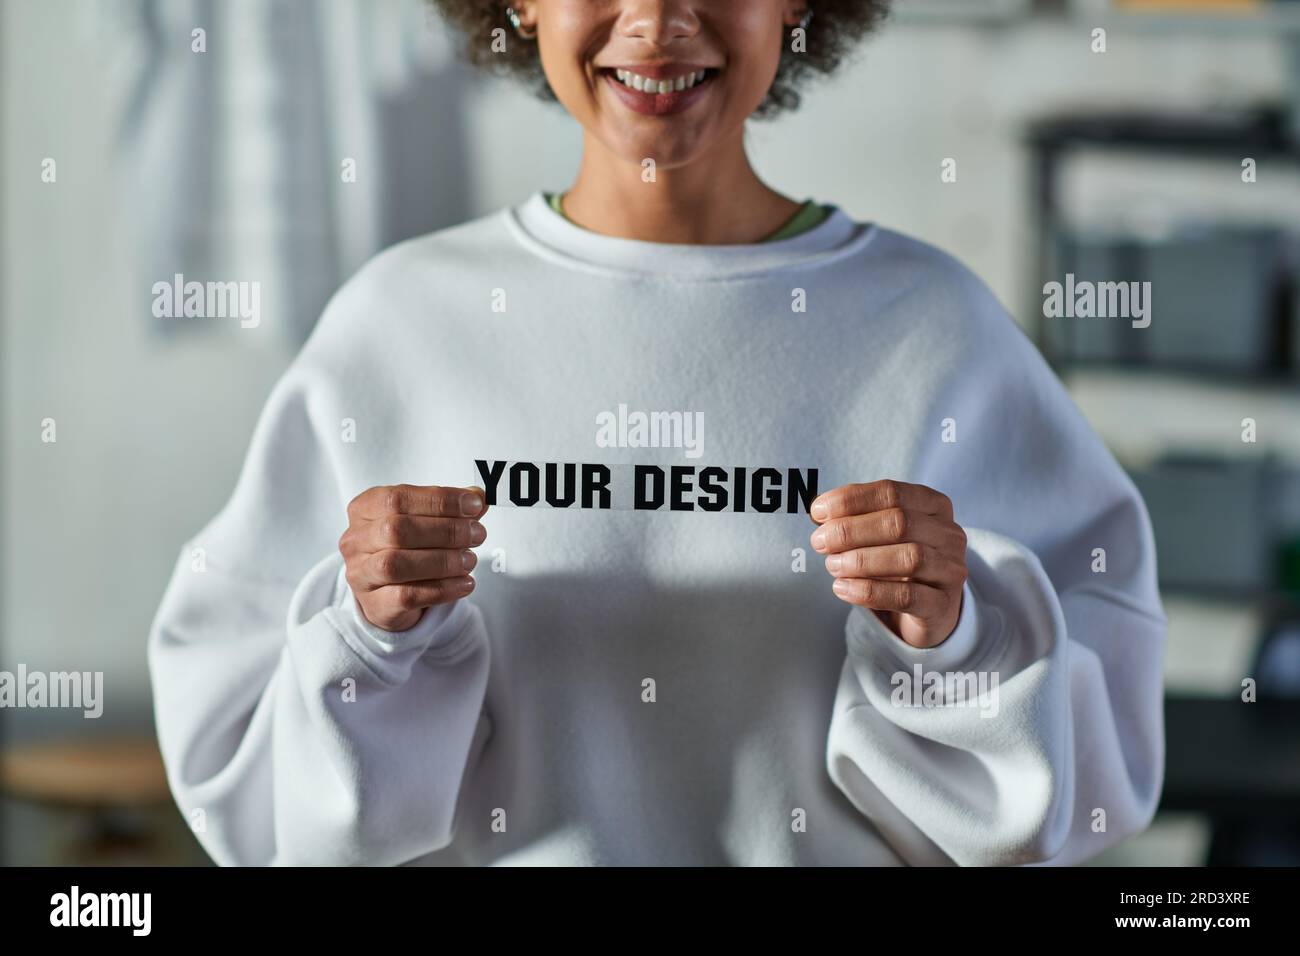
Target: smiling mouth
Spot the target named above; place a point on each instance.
(655, 86)
(659, 95)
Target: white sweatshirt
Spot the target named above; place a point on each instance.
(663, 685)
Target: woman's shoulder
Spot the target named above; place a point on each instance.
(465, 245)
(916, 259)
(933, 284)
(408, 273)
(407, 284)
(932, 304)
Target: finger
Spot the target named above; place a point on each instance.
(418, 531)
(905, 597)
(859, 499)
(894, 526)
(401, 567)
(910, 561)
(397, 599)
(432, 500)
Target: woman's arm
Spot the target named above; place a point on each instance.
(293, 730)
(313, 740)
(1043, 738)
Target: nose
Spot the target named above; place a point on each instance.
(658, 21)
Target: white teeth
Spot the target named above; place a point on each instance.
(647, 85)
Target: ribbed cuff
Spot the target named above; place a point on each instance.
(871, 635)
(422, 634)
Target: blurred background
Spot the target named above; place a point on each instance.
(286, 141)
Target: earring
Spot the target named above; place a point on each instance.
(805, 19)
(513, 16)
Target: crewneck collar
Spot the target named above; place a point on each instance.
(545, 232)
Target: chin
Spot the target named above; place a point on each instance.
(667, 152)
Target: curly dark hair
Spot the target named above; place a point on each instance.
(834, 30)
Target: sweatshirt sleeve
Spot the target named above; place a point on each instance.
(293, 731)
(1039, 738)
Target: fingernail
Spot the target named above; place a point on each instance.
(819, 540)
(468, 559)
(467, 585)
(470, 504)
(477, 533)
(819, 511)
(834, 563)
(840, 587)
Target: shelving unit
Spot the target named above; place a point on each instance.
(1263, 134)
(1213, 640)
(1108, 390)
(1276, 17)
(1108, 394)
(1211, 645)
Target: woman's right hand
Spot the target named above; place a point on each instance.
(407, 549)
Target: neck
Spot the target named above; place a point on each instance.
(716, 199)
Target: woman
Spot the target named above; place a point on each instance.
(646, 387)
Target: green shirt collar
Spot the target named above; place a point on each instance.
(809, 215)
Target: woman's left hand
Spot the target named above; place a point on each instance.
(894, 548)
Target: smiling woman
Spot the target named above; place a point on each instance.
(829, 36)
(503, 719)
(663, 91)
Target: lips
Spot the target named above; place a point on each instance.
(659, 90)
